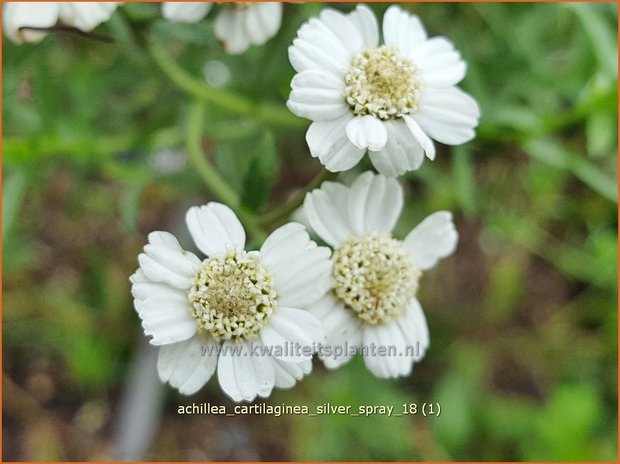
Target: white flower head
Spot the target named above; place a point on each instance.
(185, 12)
(240, 312)
(82, 15)
(237, 25)
(375, 276)
(390, 99)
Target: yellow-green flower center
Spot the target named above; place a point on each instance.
(374, 276)
(233, 296)
(382, 83)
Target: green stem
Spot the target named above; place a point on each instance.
(278, 214)
(266, 112)
(196, 155)
(214, 182)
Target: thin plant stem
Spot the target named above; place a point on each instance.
(278, 214)
(266, 112)
(214, 182)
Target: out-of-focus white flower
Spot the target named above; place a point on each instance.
(237, 25)
(390, 99)
(242, 313)
(216, 73)
(168, 161)
(186, 12)
(82, 15)
(240, 25)
(375, 276)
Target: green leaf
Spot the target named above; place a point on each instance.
(454, 426)
(566, 424)
(554, 154)
(342, 437)
(91, 359)
(463, 176)
(13, 189)
(197, 34)
(602, 36)
(141, 11)
(510, 417)
(586, 261)
(233, 159)
(261, 173)
(459, 393)
(505, 288)
(127, 40)
(130, 207)
(601, 133)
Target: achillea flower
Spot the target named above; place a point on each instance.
(390, 99)
(237, 25)
(234, 309)
(83, 15)
(375, 276)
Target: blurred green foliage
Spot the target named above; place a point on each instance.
(523, 318)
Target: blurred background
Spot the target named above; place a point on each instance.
(523, 318)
